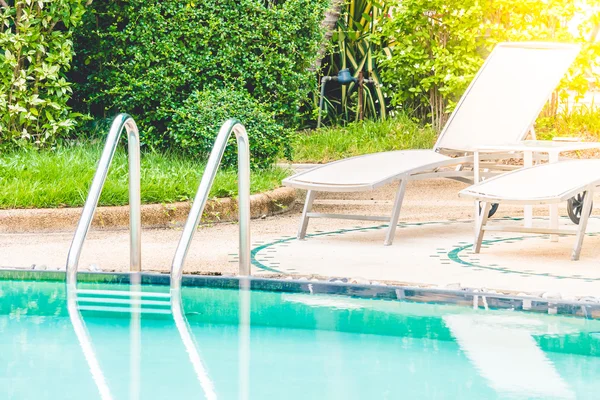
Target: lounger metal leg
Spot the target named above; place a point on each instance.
(585, 214)
(389, 239)
(476, 179)
(310, 197)
(528, 209)
(553, 214)
(482, 219)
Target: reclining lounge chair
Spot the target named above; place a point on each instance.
(500, 106)
(537, 185)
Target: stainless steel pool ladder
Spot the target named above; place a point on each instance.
(124, 121)
(208, 178)
(121, 121)
(135, 301)
(123, 301)
(113, 300)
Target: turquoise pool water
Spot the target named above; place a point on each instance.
(298, 346)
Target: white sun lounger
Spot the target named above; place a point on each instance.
(500, 106)
(540, 184)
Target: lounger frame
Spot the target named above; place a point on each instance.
(487, 200)
(441, 169)
(462, 161)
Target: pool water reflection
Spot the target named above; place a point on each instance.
(296, 346)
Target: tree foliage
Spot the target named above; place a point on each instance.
(36, 52)
(438, 45)
(557, 20)
(434, 54)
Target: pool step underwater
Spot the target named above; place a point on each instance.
(123, 301)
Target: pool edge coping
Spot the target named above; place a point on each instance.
(464, 297)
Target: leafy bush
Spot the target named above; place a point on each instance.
(559, 21)
(438, 45)
(147, 57)
(196, 123)
(434, 54)
(37, 51)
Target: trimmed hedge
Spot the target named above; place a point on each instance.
(196, 123)
(147, 57)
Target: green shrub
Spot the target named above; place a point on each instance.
(196, 123)
(434, 55)
(146, 57)
(436, 46)
(36, 52)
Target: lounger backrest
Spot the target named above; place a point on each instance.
(507, 94)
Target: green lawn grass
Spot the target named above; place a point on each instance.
(328, 144)
(582, 121)
(61, 178)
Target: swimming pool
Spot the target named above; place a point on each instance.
(297, 346)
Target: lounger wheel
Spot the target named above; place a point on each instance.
(574, 207)
(493, 209)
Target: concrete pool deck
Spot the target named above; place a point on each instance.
(432, 247)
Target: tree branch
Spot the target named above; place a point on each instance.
(4, 4)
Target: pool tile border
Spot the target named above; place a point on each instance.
(467, 297)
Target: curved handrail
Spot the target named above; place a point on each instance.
(231, 125)
(135, 224)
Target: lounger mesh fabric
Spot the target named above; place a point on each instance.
(371, 168)
(499, 107)
(543, 182)
(507, 95)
